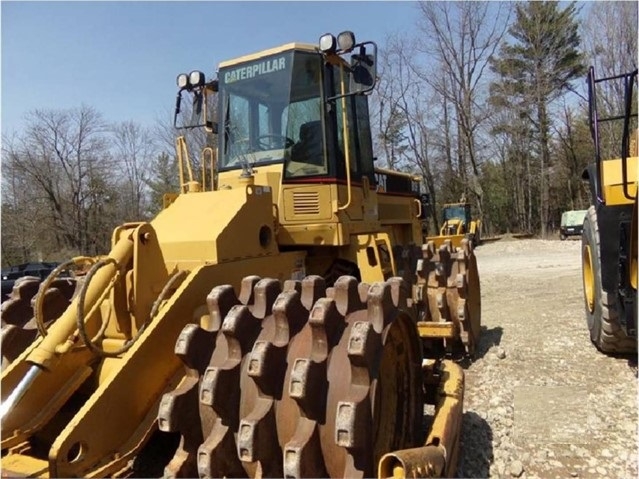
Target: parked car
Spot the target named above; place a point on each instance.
(572, 223)
(10, 275)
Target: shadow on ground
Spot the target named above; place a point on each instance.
(630, 358)
(632, 361)
(476, 447)
(632, 364)
(488, 339)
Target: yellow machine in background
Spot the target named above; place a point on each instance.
(609, 237)
(457, 225)
(280, 317)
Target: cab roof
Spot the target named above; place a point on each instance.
(307, 47)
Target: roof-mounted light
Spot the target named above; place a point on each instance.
(196, 78)
(182, 81)
(346, 41)
(327, 43)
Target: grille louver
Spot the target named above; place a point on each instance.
(306, 203)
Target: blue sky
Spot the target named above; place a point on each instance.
(122, 57)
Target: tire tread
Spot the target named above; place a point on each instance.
(611, 337)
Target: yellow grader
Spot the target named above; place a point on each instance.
(280, 317)
(609, 236)
(457, 225)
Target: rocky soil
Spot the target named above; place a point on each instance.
(540, 400)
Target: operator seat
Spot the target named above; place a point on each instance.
(309, 148)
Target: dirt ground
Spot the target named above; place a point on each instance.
(540, 400)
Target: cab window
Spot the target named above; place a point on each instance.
(359, 136)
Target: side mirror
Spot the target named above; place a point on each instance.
(211, 127)
(178, 103)
(196, 85)
(212, 87)
(198, 98)
(363, 68)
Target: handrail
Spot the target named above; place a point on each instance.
(182, 151)
(183, 158)
(347, 156)
(629, 81)
(594, 129)
(211, 155)
(594, 120)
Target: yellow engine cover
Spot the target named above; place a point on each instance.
(612, 181)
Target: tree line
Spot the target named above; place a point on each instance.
(485, 101)
(488, 102)
(70, 177)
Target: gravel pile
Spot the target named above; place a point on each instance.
(540, 400)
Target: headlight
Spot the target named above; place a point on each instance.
(182, 80)
(327, 43)
(346, 41)
(196, 78)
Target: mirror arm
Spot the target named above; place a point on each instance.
(213, 86)
(198, 102)
(178, 102)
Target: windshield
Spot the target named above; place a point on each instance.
(573, 218)
(454, 212)
(272, 112)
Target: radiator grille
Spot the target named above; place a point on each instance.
(306, 203)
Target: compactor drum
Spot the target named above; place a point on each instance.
(279, 318)
(317, 383)
(20, 318)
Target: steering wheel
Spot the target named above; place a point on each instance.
(272, 142)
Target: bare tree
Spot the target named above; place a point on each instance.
(461, 37)
(387, 117)
(135, 151)
(165, 133)
(610, 38)
(22, 215)
(512, 136)
(406, 131)
(574, 150)
(60, 157)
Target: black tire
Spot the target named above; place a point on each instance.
(562, 237)
(470, 237)
(601, 306)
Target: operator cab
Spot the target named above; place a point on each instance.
(287, 107)
(272, 113)
(457, 212)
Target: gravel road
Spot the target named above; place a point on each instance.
(540, 400)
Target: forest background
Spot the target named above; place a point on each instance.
(488, 102)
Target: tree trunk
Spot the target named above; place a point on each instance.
(545, 161)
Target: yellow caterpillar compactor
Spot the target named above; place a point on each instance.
(609, 237)
(457, 225)
(279, 318)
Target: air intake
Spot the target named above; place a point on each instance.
(306, 203)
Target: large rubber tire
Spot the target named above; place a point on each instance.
(602, 307)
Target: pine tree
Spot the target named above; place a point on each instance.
(163, 179)
(536, 69)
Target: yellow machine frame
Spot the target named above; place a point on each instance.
(609, 239)
(92, 386)
(457, 229)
